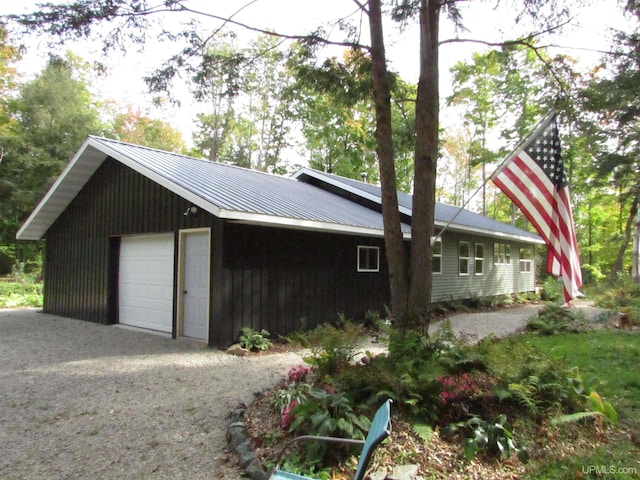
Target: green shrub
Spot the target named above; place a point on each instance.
(551, 290)
(491, 436)
(334, 348)
(326, 414)
(553, 319)
(253, 340)
(591, 275)
(18, 294)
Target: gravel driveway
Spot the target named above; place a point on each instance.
(80, 400)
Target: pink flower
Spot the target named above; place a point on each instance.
(287, 419)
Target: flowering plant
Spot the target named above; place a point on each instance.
(458, 387)
(298, 374)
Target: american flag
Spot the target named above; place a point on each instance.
(533, 177)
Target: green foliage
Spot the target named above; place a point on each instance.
(552, 319)
(491, 436)
(253, 340)
(595, 407)
(591, 274)
(333, 347)
(293, 389)
(372, 320)
(551, 290)
(20, 294)
(326, 414)
(46, 121)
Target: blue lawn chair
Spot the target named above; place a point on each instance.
(380, 429)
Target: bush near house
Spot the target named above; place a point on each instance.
(529, 406)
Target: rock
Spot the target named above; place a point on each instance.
(236, 435)
(245, 454)
(404, 472)
(237, 350)
(378, 475)
(255, 472)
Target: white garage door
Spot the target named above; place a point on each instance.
(145, 291)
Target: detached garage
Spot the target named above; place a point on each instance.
(191, 248)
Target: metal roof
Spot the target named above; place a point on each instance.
(454, 218)
(225, 191)
(248, 196)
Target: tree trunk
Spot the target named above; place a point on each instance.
(635, 274)
(395, 250)
(617, 267)
(426, 155)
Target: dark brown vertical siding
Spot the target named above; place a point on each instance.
(261, 277)
(279, 277)
(80, 256)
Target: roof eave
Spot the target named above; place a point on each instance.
(301, 224)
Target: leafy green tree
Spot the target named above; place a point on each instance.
(410, 285)
(613, 99)
(217, 82)
(135, 127)
(51, 117)
(8, 55)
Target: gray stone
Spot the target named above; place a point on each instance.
(237, 350)
(237, 414)
(236, 435)
(255, 472)
(245, 454)
(403, 472)
(378, 475)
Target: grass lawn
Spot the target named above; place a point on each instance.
(613, 357)
(16, 294)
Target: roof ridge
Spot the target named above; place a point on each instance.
(190, 157)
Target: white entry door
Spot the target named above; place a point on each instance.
(145, 288)
(195, 312)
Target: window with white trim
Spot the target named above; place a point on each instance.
(464, 256)
(479, 259)
(368, 259)
(501, 254)
(436, 254)
(525, 260)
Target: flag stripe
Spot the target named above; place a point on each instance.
(534, 179)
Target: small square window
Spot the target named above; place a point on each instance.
(368, 259)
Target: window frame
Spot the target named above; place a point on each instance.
(501, 253)
(478, 260)
(368, 268)
(525, 261)
(438, 256)
(464, 260)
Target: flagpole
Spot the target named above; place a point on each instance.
(464, 205)
(540, 126)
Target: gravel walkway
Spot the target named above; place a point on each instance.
(80, 400)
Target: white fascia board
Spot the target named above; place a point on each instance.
(490, 233)
(299, 224)
(75, 176)
(60, 195)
